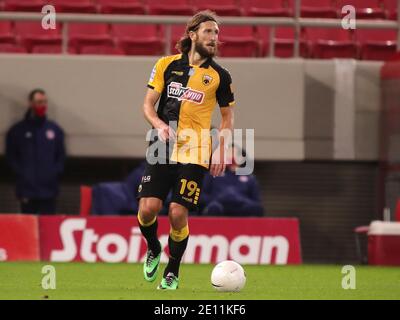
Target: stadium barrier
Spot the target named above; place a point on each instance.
(118, 239)
(19, 238)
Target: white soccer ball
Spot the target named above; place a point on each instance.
(228, 276)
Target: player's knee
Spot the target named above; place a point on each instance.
(177, 216)
(148, 209)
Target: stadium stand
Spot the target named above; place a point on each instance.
(23, 5)
(237, 41)
(75, 6)
(318, 9)
(101, 50)
(391, 8)
(6, 33)
(376, 44)
(31, 34)
(176, 33)
(11, 48)
(327, 43)
(121, 7)
(397, 213)
(260, 8)
(369, 9)
(89, 34)
(223, 8)
(138, 39)
(171, 7)
(365, 9)
(284, 42)
(48, 49)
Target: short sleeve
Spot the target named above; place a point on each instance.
(225, 96)
(156, 81)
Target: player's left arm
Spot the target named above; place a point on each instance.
(218, 161)
(226, 101)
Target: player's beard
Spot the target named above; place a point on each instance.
(202, 50)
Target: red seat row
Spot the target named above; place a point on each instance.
(371, 9)
(318, 43)
(236, 41)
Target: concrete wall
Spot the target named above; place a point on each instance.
(290, 104)
(342, 105)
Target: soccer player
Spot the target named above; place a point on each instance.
(188, 85)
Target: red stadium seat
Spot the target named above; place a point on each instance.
(81, 34)
(11, 48)
(47, 49)
(318, 9)
(101, 50)
(397, 213)
(365, 9)
(75, 6)
(377, 44)
(238, 41)
(32, 33)
(221, 7)
(139, 39)
(50, 49)
(393, 15)
(328, 43)
(284, 42)
(24, 5)
(177, 32)
(86, 201)
(391, 7)
(121, 6)
(171, 7)
(6, 32)
(271, 8)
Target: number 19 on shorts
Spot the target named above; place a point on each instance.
(189, 191)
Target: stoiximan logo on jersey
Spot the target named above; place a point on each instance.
(177, 91)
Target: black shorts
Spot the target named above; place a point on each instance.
(185, 181)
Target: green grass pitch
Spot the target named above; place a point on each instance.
(125, 281)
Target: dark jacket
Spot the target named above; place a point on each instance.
(118, 197)
(230, 186)
(235, 195)
(36, 153)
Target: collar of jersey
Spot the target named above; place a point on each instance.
(205, 64)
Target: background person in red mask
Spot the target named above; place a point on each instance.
(35, 151)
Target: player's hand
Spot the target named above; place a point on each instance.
(218, 164)
(166, 133)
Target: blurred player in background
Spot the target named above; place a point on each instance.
(36, 153)
(188, 85)
(232, 194)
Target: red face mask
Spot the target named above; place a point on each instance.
(40, 110)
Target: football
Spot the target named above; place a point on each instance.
(228, 276)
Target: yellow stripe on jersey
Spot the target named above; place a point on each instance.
(156, 80)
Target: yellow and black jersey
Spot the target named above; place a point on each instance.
(189, 95)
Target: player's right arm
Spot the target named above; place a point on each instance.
(156, 86)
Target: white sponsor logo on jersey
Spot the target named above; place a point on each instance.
(177, 91)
